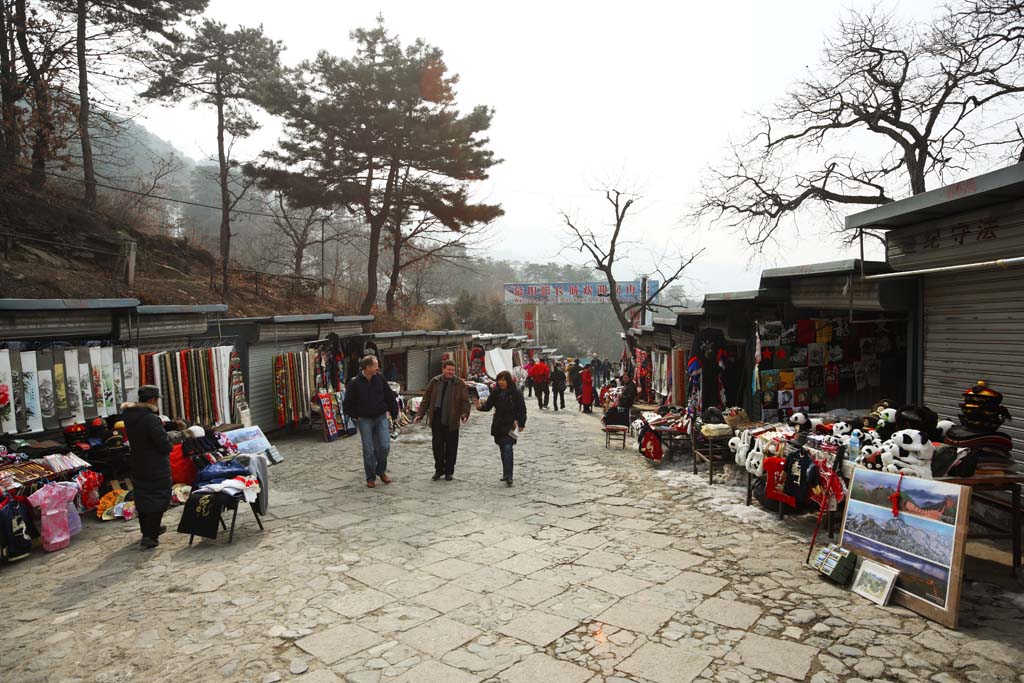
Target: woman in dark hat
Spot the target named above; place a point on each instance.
(509, 419)
(150, 446)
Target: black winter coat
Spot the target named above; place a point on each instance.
(628, 396)
(509, 408)
(150, 461)
(558, 379)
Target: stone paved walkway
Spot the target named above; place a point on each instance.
(594, 568)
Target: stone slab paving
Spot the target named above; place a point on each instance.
(594, 568)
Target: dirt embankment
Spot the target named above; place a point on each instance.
(50, 247)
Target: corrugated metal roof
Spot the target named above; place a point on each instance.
(1003, 185)
(764, 294)
(827, 268)
(283, 319)
(166, 309)
(65, 304)
(354, 318)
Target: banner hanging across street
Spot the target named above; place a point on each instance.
(574, 292)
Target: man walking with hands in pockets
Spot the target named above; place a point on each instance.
(368, 400)
(446, 405)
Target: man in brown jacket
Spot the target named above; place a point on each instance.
(446, 405)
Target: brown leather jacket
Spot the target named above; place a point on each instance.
(459, 402)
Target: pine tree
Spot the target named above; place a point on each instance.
(229, 71)
(379, 134)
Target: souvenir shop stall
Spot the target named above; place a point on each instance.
(907, 482)
(478, 350)
(666, 346)
(66, 367)
(412, 357)
(451, 345)
(838, 342)
(285, 360)
(962, 248)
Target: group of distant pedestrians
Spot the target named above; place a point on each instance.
(446, 406)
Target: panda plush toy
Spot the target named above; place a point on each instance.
(910, 453)
(943, 428)
(755, 460)
(886, 425)
(871, 457)
(805, 424)
(841, 429)
(740, 446)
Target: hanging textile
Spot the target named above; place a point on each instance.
(196, 385)
(293, 388)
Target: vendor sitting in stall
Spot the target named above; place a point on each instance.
(618, 412)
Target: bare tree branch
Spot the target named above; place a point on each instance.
(909, 99)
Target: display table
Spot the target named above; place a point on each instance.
(196, 507)
(673, 441)
(714, 451)
(987, 484)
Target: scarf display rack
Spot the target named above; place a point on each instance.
(197, 386)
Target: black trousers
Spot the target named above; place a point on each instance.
(543, 394)
(149, 522)
(559, 396)
(446, 447)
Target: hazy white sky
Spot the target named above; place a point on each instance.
(645, 92)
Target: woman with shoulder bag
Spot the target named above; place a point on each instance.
(509, 419)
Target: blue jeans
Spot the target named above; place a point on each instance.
(506, 459)
(376, 435)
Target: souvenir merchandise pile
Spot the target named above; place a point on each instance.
(196, 385)
(988, 449)
(815, 365)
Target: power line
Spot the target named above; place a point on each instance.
(151, 196)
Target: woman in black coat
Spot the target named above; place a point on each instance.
(509, 419)
(150, 445)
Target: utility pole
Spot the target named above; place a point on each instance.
(643, 300)
(323, 240)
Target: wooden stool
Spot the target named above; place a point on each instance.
(615, 432)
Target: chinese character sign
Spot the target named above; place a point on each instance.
(574, 292)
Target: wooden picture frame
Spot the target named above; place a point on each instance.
(924, 541)
(875, 581)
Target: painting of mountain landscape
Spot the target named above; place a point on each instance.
(918, 497)
(921, 540)
(921, 554)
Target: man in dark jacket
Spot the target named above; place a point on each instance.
(368, 401)
(446, 405)
(150, 445)
(558, 386)
(574, 378)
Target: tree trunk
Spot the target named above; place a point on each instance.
(8, 97)
(915, 169)
(83, 110)
(620, 315)
(391, 298)
(300, 255)
(40, 104)
(225, 197)
(372, 260)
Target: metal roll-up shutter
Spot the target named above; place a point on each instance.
(418, 369)
(974, 330)
(261, 382)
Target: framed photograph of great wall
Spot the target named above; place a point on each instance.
(923, 538)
